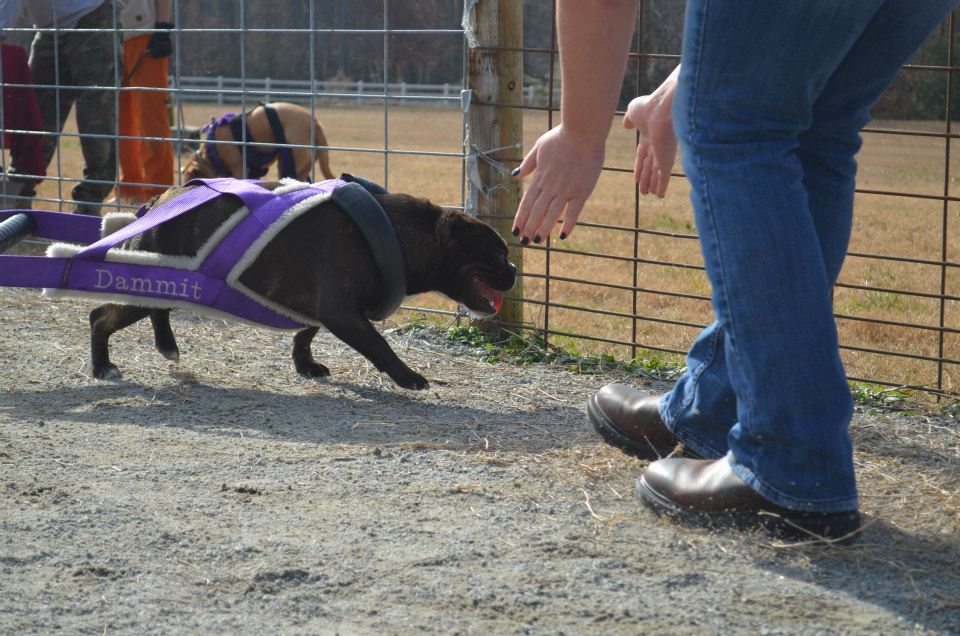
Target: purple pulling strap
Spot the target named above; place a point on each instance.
(42, 271)
(170, 210)
(73, 228)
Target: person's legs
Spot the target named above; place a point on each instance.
(54, 104)
(157, 155)
(761, 194)
(701, 408)
(131, 158)
(828, 148)
(144, 114)
(92, 59)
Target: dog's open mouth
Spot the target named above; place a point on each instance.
(483, 299)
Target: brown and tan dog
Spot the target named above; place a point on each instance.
(226, 159)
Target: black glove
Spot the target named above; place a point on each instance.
(160, 44)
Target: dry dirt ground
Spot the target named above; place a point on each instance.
(226, 495)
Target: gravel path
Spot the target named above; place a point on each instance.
(227, 495)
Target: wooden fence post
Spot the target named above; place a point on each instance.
(495, 75)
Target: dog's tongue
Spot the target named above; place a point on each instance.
(491, 294)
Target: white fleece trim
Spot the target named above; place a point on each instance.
(139, 257)
(115, 221)
(289, 184)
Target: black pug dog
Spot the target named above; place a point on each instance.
(321, 266)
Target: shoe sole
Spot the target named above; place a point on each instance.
(641, 449)
(842, 528)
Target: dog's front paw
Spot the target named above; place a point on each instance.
(107, 371)
(167, 346)
(412, 380)
(172, 355)
(313, 370)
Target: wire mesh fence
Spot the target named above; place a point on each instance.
(631, 281)
(396, 93)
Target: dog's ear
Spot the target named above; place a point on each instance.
(455, 225)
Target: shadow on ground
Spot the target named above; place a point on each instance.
(341, 413)
(912, 575)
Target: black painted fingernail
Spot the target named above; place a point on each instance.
(524, 241)
(515, 231)
(563, 235)
(515, 172)
(536, 239)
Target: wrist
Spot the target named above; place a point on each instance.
(668, 88)
(583, 141)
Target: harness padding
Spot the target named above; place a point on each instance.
(182, 294)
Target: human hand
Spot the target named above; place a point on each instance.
(652, 116)
(160, 44)
(565, 173)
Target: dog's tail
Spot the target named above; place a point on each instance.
(323, 155)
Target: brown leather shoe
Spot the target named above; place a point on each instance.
(630, 420)
(708, 492)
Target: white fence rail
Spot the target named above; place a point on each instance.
(232, 90)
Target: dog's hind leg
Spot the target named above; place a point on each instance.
(163, 335)
(303, 357)
(104, 322)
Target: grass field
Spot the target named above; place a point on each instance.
(896, 226)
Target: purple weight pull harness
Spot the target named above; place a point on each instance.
(208, 283)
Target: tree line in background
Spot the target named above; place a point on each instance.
(431, 58)
(339, 49)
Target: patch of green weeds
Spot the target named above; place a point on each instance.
(665, 366)
(511, 348)
(667, 222)
(417, 322)
(534, 349)
(874, 301)
(874, 398)
(659, 365)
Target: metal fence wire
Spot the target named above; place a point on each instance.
(441, 99)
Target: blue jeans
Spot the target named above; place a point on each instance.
(769, 107)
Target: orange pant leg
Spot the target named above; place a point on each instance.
(144, 114)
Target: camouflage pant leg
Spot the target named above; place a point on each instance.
(76, 61)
